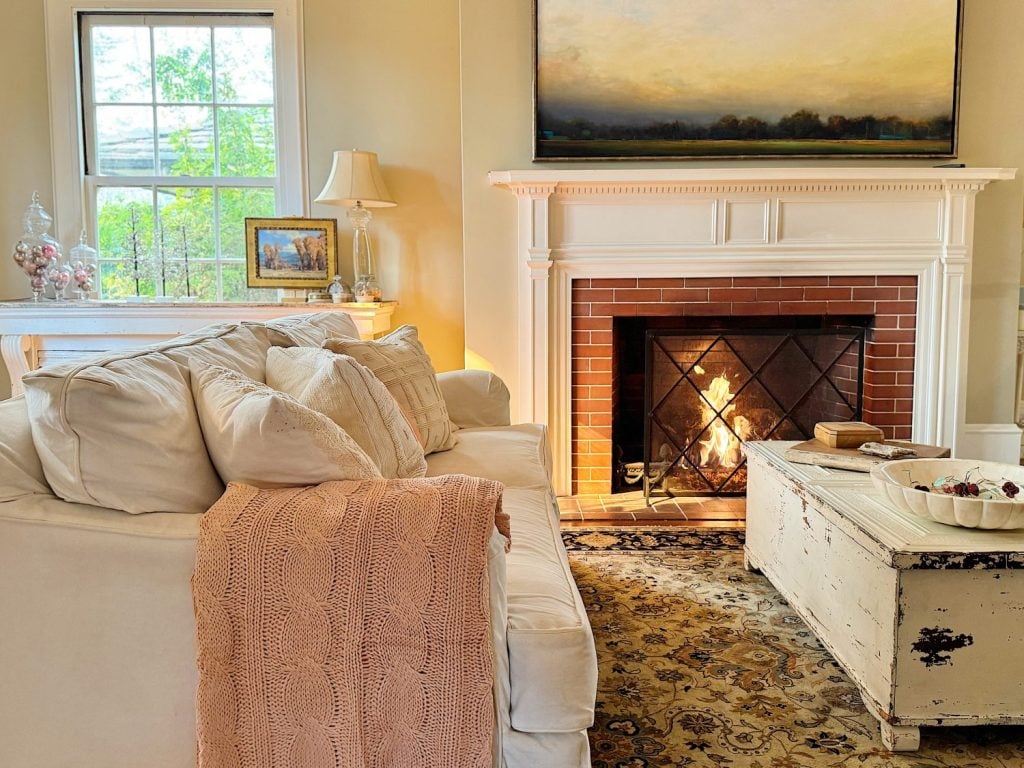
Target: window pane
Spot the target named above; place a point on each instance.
(184, 71)
(245, 65)
(125, 217)
(186, 222)
(124, 141)
(246, 141)
(121, 64)
(202, 278)
(186, 141)
(235, 206)
(235, 289)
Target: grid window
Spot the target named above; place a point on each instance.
(180, 146)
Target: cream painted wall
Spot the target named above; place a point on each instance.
(496, 118)
(384, 76)
(25, 143)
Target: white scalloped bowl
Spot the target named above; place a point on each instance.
(896, 481)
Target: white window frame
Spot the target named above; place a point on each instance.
(70, 196)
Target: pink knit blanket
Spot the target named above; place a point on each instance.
(347, 624)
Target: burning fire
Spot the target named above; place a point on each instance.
(722, 448)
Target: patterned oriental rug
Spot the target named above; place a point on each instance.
(704, 664)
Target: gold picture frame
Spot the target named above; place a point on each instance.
(290, 252)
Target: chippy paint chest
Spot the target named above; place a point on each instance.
(927, 619)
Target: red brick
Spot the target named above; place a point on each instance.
(756, 308)
(581, 337)
(705, 310)
(908, 321)
(602, 473)
(879, 377)
(662, 282)
(804, 282)
(908, 293)
(708, 282)
(803, 307)
(600, 364)
(897, 280)
(906, 350)
(601, 419)
(585, 378)
(661, 309)
(581, 282)
(601, 392)
(684, 294)
(851, 307)
(895, 307)
(592, 324)
(637, 294)
(876, 294)
(887, 321)
(588, 487)
(900, 419)
(779, 294)
(828, 294)
(580, 310)
(586, 460)
(906, 377)
(889, 364)
(851, 280)
(900, 433)
(613, 310)
(580, 392)
(756, 282)
(732, 294)
(890, 335)
(883, 406)
(593, 350)
(601, 337)
(579, 364)
(904, 405)
(613, 282)
(588, 295)
(883, 350)
(890, 391)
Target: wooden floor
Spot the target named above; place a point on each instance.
(629, 509)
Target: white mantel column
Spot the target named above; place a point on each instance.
(531, 403)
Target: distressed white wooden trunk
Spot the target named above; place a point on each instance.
(927, 619)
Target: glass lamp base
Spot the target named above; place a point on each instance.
(367, 288)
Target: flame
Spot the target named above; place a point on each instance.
(722, 448)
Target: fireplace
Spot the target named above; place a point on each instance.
(691, 391)
(593, 245)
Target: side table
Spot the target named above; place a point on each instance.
(35, 334)
(926, 619)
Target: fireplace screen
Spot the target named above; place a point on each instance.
(706, 392)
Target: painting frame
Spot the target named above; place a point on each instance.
(544, 149)
(266, 239)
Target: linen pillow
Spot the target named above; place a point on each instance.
(261, 437)
(120, 430)
(354, 399)
(402, 364)
(312, 329)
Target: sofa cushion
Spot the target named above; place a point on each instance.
(475, 398)
(400, 361)
(265, 438)
(121, 431)
(514, 456)
(354, 399)
(311, 330)
(21, 474)
(551, 648)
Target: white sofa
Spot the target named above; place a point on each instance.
(97, 646)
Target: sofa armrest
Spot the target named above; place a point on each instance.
(475, 398)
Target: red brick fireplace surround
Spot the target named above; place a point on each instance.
(888, 361)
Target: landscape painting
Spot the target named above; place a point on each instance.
(661, 79)
(291, 253)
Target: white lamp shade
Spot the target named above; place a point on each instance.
(355, 178)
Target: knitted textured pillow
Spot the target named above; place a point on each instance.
(261, 437)
(354, 399)
(402, 364)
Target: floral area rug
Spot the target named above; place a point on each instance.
(704, 664)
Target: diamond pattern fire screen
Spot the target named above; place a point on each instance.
(706, 392)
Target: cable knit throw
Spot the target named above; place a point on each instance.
(347, 624)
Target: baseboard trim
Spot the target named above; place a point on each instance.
(990, 442)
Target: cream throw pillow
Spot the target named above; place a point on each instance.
(261, 437)
(402, 364)
(354, 399)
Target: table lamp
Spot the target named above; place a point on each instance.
(355, 183)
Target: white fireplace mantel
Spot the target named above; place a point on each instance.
(712, 222)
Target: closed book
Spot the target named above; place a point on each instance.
(846, 434)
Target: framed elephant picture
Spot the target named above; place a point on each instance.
(291, 252)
